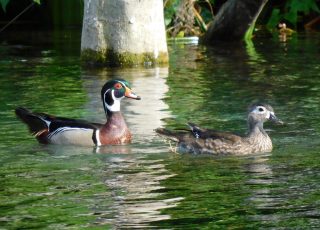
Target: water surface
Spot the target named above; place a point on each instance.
(144, 185)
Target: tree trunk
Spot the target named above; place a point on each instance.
(234, 20)
(123, 33)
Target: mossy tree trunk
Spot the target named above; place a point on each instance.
(234, 22)
(123, 33)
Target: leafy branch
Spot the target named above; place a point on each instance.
(4, 3)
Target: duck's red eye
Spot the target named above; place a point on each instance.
(118, 86)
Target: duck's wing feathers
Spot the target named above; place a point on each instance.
(58, 122)
(175, 135)
(213, 134)
(197, 134)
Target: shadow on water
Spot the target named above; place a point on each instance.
(143, 185)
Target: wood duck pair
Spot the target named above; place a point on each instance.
(199, 140)
(50, 129)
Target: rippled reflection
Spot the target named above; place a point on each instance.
(280, 196)
(261, 178)
(134, 182)
(135, 187)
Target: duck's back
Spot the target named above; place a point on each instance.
(204, 142)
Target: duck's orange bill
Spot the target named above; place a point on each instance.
(130, 94)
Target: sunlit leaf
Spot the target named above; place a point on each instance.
(37, 1)
(167, 21)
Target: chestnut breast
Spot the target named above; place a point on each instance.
(115, 131)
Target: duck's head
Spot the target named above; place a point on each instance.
(113, 92)
(282, 25)
(259, 113)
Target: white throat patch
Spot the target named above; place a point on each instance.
(116, 103)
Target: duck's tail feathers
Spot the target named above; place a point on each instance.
(171, 135)
(36, 122)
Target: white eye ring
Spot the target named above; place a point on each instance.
(261, 109)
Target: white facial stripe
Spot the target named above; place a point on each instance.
(98, 137)
(116, 103)
(47, 122)
(104, 99)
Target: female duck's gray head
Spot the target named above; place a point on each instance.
(113, 92)
(259, 113)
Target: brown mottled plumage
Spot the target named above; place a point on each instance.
(199, 140)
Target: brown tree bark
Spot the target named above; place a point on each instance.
(233, 20)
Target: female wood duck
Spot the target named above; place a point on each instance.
(199, 140)
(283, 29)
(284, 32)
(49, 129)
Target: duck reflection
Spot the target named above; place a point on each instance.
(149, 114)
(135, 186)
(134, 180)
(261, 178)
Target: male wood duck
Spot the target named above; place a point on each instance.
(50, 129)
(199, 140)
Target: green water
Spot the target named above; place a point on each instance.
(144, 185)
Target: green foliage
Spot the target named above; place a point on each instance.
(274, 18)
(188, 17)
(291, 11)
(171, 7)
(296, 6)
(4, 3)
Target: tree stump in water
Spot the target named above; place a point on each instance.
(123, 33)
(233, 21)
